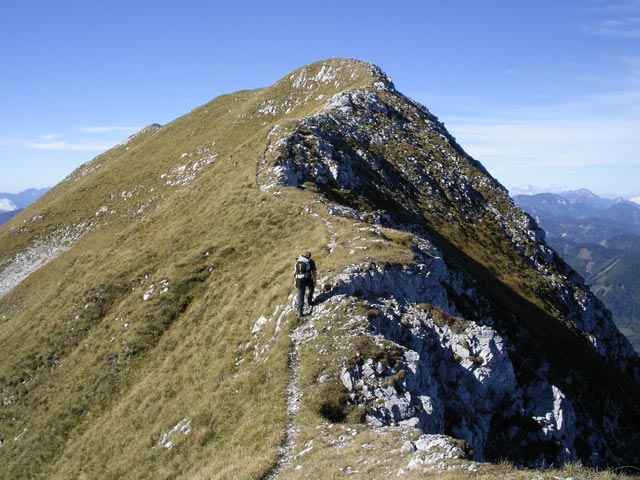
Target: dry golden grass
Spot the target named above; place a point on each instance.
(93, 374)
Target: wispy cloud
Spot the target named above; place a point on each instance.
(80, 139)
(590, 133)
(540, 142)
(616, 27)
(64, 146)
(616, 18)
(49, 137)
(7, 205)
(616, 5)
(528, 189)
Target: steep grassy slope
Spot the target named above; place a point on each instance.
(152, 335)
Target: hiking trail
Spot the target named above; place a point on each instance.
(301, 334)
(304, 332)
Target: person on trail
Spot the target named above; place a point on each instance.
(304, 279)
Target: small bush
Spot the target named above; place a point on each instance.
(477, 359)
(441, 318)
(331, 401)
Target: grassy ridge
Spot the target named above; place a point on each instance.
(93, 375)
(93, 371)
(141, 333)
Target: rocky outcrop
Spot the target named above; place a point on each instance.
(392, 153)
(379, 155)
(446, 374)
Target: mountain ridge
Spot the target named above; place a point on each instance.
(171, 323)
(25, 197)
(12, 203)
(582, 205)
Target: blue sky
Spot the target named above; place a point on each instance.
(545, 93)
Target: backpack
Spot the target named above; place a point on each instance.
(303, 268)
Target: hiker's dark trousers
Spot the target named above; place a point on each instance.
(304, 285)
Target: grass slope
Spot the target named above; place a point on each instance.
(92, 374)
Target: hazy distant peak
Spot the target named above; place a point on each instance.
(580, 195)
(580, 191)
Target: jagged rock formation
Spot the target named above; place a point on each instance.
(151, 287)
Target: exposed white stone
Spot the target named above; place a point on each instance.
(39, 253)
(167, 439)
(554, 413)
(262, 320)
(408, 447)
(184, 174)
(435, 451)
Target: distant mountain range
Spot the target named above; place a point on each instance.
(6, 216)
(600, 238)
(12, 203)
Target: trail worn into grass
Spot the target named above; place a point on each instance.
(299, 335)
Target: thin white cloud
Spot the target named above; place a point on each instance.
(64, 146)
(550, 143)
(619, 6)
(628, 27)
(49, 137)
(600, 129)
(528, 189)
(618, 18)
(91, 139)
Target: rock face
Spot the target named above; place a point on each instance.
(461, 367)
(449, 374)
(391, 152)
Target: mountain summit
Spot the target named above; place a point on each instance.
(148, 327)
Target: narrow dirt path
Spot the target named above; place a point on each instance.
(301, 334)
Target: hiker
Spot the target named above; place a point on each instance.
(304, 279)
